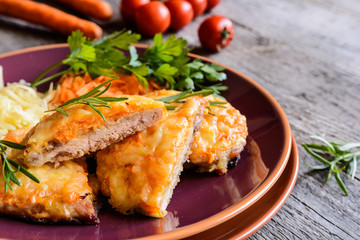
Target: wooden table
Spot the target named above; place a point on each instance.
(306, 53)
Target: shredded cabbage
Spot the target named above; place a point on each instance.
(20, 106)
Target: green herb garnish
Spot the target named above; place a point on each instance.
(181, 98)
(336, 157)
(166, 62)
(92, 99)
(94, 57)
(8, 171)
(170, 64)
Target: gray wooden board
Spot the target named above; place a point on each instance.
(307, 55)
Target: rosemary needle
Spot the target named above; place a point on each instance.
(335, 157)
(8, 171)
(181, 98)
(92, 98)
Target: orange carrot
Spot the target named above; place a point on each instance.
(48, 16)
(70, 86)
(93, 8)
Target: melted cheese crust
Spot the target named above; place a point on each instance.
(58, 138)
(140, 172)
(222, 135)
(82, 119)
(63, 194)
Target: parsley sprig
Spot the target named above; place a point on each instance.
(92, 98)
(8, 171)
(170, 64)
(335, 157)
(94, 57)
(166, 62)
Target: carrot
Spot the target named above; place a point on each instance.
(70, 86)
(93, 8)
(48, 16)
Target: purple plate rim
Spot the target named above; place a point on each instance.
(236, 231)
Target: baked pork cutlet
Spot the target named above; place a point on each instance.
(139, 173)
(62, 196)
(58, 138)
(221, 138)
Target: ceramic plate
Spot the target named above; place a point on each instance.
(200, 201)
(253, 218)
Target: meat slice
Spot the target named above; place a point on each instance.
(221, 138)
(139, 173)
(59, 138)
(62, 196)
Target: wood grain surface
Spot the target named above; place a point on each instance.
(306, 53)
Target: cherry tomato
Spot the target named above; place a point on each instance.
(151, 18)
(216, 32)
(199, 6)
(181, 13)
(211, 4)
(128, 8)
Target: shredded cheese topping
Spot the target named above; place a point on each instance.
(20, 106)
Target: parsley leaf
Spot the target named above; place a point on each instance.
(134, 57)
(170, 64)
(165, 73)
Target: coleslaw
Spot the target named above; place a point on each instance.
(20, 105)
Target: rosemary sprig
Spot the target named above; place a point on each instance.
(181, 98)
(218, 104)
(336, 157)
(8, 171)
(92, 99)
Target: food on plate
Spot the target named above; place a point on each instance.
(139, 173)
(50, 17)
(216, 32)
(98, 9)
(221, 137)
(181, 12)
(151, 18)
(166, 63)
(118, 115)
(71, 86)
(63, 194)
(21, 106)
(58, 137)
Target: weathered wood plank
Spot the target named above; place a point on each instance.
(324, 33)
(306, 54)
